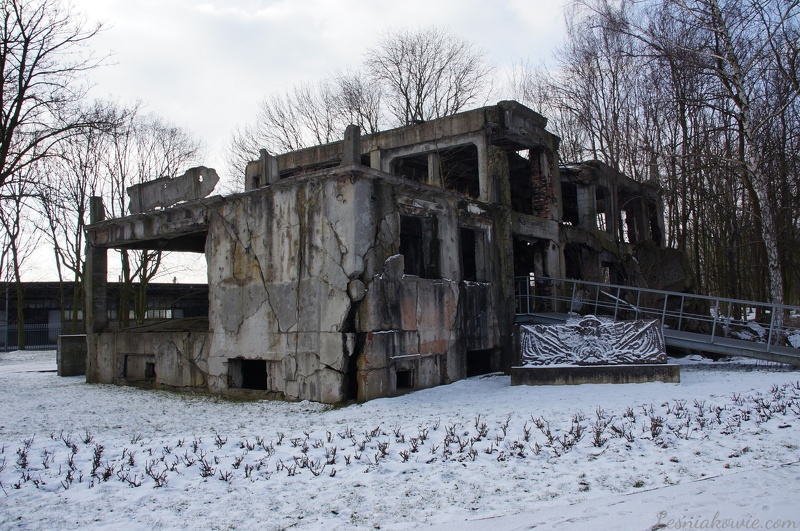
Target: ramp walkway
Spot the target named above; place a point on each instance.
(715, 325)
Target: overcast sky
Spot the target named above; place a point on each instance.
(205, 64)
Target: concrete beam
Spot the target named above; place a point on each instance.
(195, 183)
(180, 228)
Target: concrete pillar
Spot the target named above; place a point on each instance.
(262, 172)
(499, 181)
(96, 277)
(484, 177)
(587, 206)
(269, 168)
(435, 170)
(494, 179)
(502, 279)
(351, 148)
(375, 158)
(611, 211)
(553, 260)
(642, 221)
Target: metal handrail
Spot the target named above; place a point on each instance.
(547, 294)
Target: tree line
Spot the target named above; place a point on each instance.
(59, 148)
(702, 96)
(409, 76)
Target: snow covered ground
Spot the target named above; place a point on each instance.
(719, 450)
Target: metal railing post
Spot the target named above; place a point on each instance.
(638, 303)
(596, 298)
(528, 294)
(664, 313)
(572, 300)
(714, 326)
(771, 326)
(730, 312)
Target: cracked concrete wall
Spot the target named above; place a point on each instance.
(305, 284)
(412, 325)
(304, 275)
(283, 263)
(179, 358)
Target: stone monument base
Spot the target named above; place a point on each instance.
(595, 374)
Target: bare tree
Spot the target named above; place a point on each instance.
(702, 95)
(20, 238)
(358, 100)
(540, 89)
(306, 115)
(751, 48)
(412, 75)
(243, 146)
(43, 58)
(309, 114)
(428, 73)
(69, 181)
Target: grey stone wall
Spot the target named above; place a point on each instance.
(173, 359)
(305, 275)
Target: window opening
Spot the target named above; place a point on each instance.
(569, 204)
(459, 169)
(414, 168)
(405, 379)
(469, 266)
(419, 246)
(248, 374)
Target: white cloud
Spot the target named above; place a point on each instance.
(204, 65)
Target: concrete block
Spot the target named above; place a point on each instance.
(71, 355)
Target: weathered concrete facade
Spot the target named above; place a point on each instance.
(366, 267)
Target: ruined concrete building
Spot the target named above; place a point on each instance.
(374, 265)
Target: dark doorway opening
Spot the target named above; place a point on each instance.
(569, 204)
(248, 374)
(479, 362)
(405, 379)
